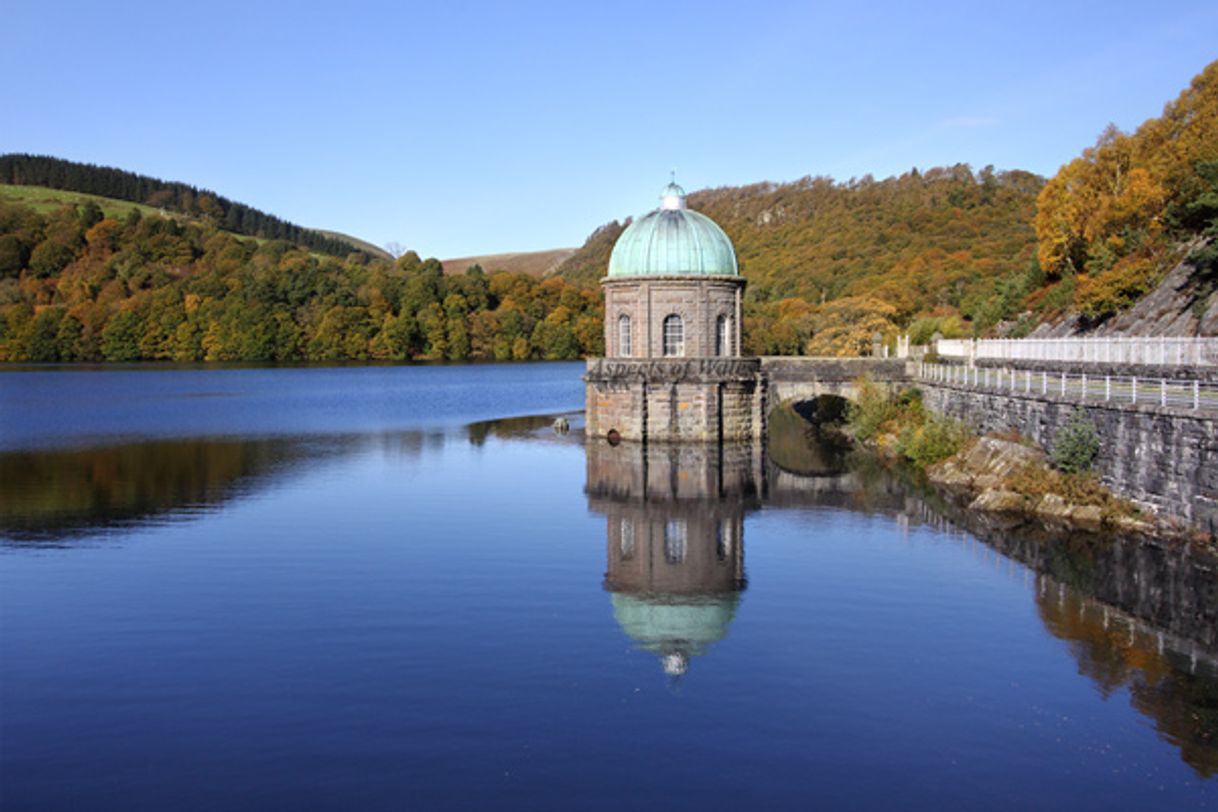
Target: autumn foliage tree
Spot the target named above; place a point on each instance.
(78, 287)
(1111, 221)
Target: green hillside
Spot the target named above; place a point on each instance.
(79, 285)
(360, 245)
(167, 197)
(44, 200)
(940, 244)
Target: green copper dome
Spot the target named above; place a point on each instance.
(675, 627)
(673, 240)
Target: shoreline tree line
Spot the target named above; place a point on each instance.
(76, 286)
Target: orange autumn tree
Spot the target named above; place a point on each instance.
(1109, 223)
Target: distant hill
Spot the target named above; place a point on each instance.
(362, 245)
(167, 196)
(865, 254)
(961, 252)
(534, 263)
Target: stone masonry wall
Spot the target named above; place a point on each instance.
(675, 400)
(698, 300)
(1164, 458)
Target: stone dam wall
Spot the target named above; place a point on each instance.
(1162, 458)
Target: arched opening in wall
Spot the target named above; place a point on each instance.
(674, 336)
(723, 539)
(805, 436)
(674, 541)
(626, 542)
(723, 336)
(623, 336)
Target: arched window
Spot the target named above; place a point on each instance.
(674, 335)
(674, 541)
(626, 543)
(723, 336)
(723, 540)
(623, 336)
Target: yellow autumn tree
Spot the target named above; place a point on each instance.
(1105, 216)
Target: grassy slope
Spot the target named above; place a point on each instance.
(535, 263)
(44, 200)
(363, 245)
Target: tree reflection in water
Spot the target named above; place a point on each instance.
(1138, 616)
(56, 494)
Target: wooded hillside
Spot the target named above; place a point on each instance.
(1113, 221)
(832, 262)
(78, 286)
(181, 198)
(829, 264)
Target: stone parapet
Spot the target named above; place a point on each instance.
(801, 368)
(671, 370)
(675, 399)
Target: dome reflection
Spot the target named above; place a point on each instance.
(675, 541)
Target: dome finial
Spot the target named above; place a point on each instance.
(673, 196)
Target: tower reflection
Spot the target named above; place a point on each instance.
(675, 540)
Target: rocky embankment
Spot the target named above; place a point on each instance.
(1184, 303)
(1014, 480)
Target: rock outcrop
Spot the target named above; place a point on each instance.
(1001, 476)
(1181, 305)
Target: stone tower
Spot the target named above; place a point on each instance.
(674, 521)
(673, 369)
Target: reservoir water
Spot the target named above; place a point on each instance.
(399, 587)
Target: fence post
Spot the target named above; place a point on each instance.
(1196, 394)
(1163, 393)
(1044, 383)
(1063, 384)
(1107, 387)
(1083, 391)
(1027, 382)
(1134, 389)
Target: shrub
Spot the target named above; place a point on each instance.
(873, 409)
(937, 438)
(1075, 444)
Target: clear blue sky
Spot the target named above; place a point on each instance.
(464, 128)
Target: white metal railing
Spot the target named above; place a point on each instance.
(1080, 388)
(1148, 350)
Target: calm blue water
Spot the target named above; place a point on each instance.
(359, 588)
